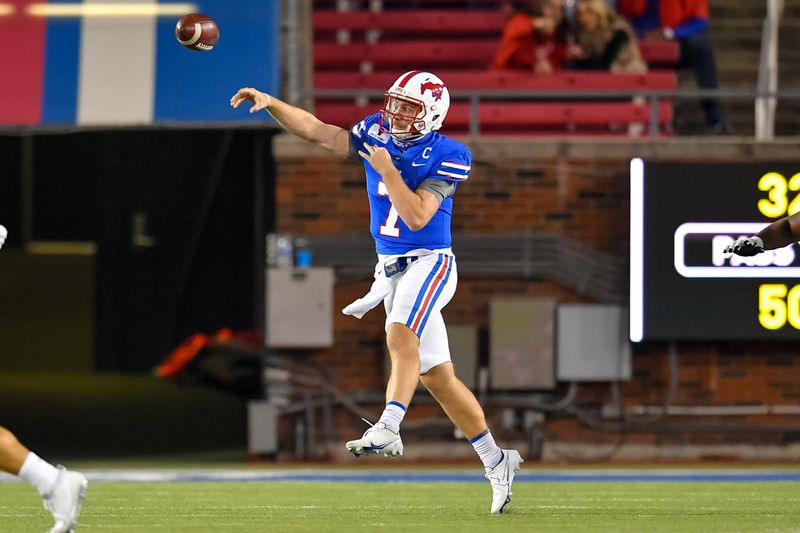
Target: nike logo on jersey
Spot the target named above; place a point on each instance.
(417, 164)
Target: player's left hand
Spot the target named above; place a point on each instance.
(379, 158)
(745, 247)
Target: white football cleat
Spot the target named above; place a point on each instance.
(65, 500)
(501, 477)
(377, 439)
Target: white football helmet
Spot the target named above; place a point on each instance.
(414, 105)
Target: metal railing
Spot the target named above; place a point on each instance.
(765, 107)
(653, 96)
(527, 255)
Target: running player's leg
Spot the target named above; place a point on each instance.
(458, 402)
(403, 346)
(12, 452)
(463, 409)
(63, 491)
(384, 436)
(423, 288)
(456, 399)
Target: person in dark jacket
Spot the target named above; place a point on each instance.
(685, 21)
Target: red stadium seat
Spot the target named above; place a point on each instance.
(436, 22)
(659, 52)
(447, 53)
(655, 51)
(458, 45)
(578, 113)
(506, 80)
(529, 117)
(440, 53)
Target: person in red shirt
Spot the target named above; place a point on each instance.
(685, 21)
(534, 38)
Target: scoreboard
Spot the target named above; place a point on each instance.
(682, 285)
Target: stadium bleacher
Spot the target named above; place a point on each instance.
(366, 50)
(513, 117)
(450, 21)
(463, 80)
(447, 53)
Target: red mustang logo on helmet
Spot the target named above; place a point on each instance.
(435, 89)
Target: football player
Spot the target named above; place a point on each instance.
(412, 174)
(62, 490)
(780, 233)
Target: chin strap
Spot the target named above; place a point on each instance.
(407, 142)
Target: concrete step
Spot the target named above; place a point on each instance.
(737, 9)
(787, 117)
(736, 27)
(789, 34)
(791, 9)
(744, 33)
(731, 71)
(689, 117)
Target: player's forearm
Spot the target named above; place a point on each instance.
(296, 121)
(781, 233)
(407, 203)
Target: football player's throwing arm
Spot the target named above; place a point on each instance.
(780, 233)
(296, 121)
(415, 208)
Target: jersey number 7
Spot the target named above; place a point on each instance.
(389, 228)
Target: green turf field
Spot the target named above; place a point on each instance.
(429, 507)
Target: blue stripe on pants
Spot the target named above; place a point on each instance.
(435, 297)
(423, 290)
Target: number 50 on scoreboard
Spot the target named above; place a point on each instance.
(682, 285)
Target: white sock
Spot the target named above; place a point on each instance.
(489, 452)
(392, 415)
(39, 473)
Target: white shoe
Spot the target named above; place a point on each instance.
(65, 500)
(501, 477)
(377, 439)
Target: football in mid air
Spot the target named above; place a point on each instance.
(197, 32)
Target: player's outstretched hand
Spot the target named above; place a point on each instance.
(257, 98)
(745, 247)
(378, 157)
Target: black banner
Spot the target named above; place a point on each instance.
(682, 284)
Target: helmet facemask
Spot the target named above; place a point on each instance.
(402, 117)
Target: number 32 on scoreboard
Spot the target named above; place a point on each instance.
(779, 202)
(777, 304)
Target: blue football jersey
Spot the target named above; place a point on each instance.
(432, 157)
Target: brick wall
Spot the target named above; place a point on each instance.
(582, 199)
(576, 189)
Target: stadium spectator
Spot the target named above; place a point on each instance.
(534, 38)
(61, 490)
(603, 41)
(779, 234)
(685, 21)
